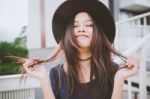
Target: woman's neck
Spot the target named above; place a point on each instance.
(84, 54)
(84, 57)
(85, 65)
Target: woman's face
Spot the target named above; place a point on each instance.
(83, 29)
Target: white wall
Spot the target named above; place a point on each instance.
(50, 6)
(13, 16)
(34, 29)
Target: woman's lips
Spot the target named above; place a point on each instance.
(82, 36)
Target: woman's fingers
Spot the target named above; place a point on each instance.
(130, 68)
(28, 65)
(133, 65)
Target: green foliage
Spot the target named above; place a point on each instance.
(17, 48)
(11, 68)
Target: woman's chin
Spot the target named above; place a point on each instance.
(84, 45)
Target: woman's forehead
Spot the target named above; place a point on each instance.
(82, 16)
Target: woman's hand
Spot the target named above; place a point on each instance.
(131, 68)
(127, 70)
(37, 71)
(40, 72)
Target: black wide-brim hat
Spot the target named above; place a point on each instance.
(96, 9)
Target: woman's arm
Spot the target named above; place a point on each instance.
(122, 74)
(41, 74)
(118, 88)
(47, 88)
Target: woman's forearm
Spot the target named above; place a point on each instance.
(46, 88)
(118, 89)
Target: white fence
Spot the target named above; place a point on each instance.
(18, 94)
(12, 88)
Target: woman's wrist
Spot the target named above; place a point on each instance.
(47, 88)
(118, 88)
(44, 80)
(119, 80)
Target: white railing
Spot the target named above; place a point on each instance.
(132, 37)
(131, 30)
(134, 18)
(12, 88)
(18, 94)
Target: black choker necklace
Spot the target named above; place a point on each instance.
(89, 58)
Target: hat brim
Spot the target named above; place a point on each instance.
(70, 8)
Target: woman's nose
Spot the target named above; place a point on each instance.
(81, 29)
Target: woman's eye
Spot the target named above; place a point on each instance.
(90, 25)
(75, 25)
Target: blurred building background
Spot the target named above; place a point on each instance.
(133, 34)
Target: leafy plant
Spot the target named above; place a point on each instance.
(17, 48)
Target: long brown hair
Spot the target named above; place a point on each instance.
(102, 66)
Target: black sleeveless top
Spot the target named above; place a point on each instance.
(61, 93)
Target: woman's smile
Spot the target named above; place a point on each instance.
(82, 37)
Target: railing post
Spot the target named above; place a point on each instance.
(129, 89)
(144, 24)
(142, 75)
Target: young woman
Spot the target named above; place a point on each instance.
(85, 31)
